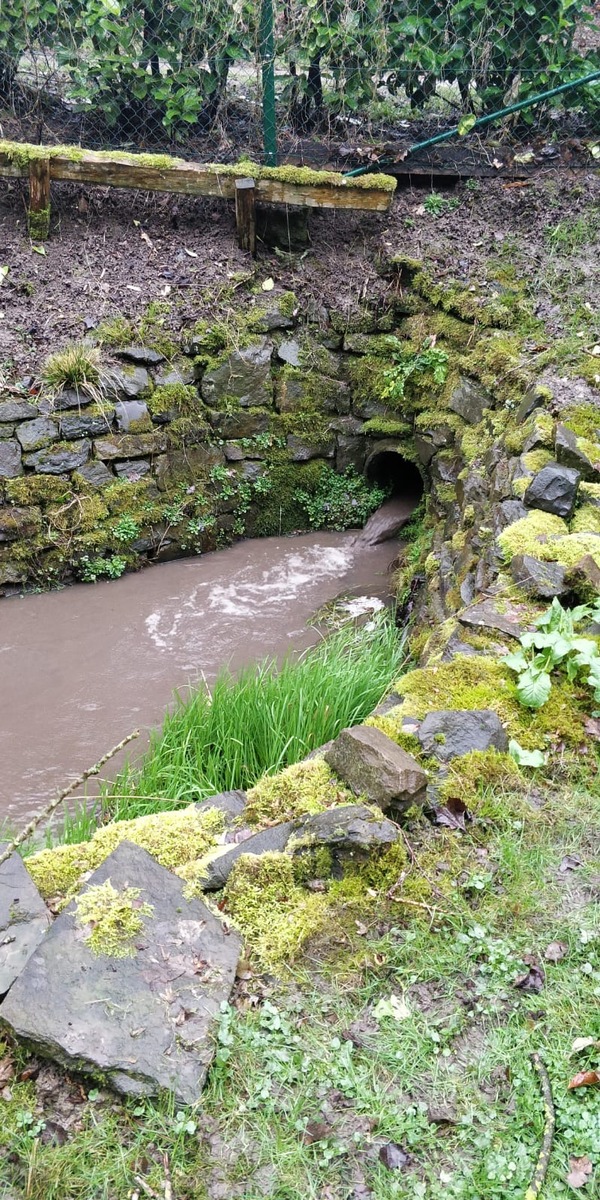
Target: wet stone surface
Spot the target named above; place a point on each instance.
(24, 919)
(146, 1021)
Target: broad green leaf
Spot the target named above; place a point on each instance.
(526, 758)
(516, 661)
(586, 651)
(533, 688)
(466, 124)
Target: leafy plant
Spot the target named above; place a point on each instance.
(77, 367)
(340, 501)
(435, 204)
(555, 643)
(126, 529)
(97, 568)
(413, 364)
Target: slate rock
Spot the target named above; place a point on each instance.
(350, 832)
(6, 431)
(218, 869)
(289, 352)
(148, 1021)
(303, 449)
(246, 374)
(55, 460)
(233, 453)
(387, 704)
(86, 425)
(130, 445)
(24, 919)
(508, 512)
(452, 732)
(17, 410)
(425, 449)
(71, 398)
(33, 435)
(372, 765)
(486, 615)
(127, 411)
(126, 383)
(350, 452)
(133, 469)
(470, 400)
(569, 454)
(584, 577)
(231, 804)
(142, 356)
(96, 474)
(553, 490)
(273, 319)
(545, 579)
(180, 372)
(10, 459)
(532, 399)
(236, 425)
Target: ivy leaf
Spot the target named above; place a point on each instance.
(534, 687)
(526, 758)
(466, 124)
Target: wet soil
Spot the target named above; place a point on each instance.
(83, 667)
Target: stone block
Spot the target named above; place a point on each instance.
(372, 765)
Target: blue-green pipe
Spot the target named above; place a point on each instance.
(267, 56)
(593, 77)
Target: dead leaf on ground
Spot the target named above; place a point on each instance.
(531, 980)
(570, 862)
(148, 240)
(581, 1169)
(592, 726)
(583, 1043)
(584, 1079)
(7, 1069)
(454, 814)
(555, 952)
(316, 1131)
(393, 1156)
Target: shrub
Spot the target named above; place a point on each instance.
(340, 501)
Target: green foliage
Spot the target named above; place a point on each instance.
(340, 501)
(555, 643)
(91, 569)
(77, 366)
(113, 919)
(414, 366)
(126, 529)
(266, 718)
(436, 205)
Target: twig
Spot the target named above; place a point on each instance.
(168, 1184)
(541, 1168)
(147, 1190)
(53, 805)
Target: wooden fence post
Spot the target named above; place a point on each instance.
(245, 214)
(38, 216)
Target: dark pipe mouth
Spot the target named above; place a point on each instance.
(386, 468)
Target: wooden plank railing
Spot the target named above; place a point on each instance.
(298, 186)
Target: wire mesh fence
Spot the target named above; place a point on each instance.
(215, 77)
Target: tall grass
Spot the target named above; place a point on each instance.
(260, 721)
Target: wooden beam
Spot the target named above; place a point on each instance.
(245, 214)
(38, 215)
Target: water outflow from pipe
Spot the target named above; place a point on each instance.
(82, 667)
(388, 521)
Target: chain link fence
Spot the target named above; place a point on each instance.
(215, 78)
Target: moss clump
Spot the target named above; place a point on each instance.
(115, 332)
(305, 787)
(575, 546)
(280, 511)
(536, 459)
(590, 493)
(22, 153)
(586, 519)
(113, 918)
(172, 838)
(386, 427)
(275, 915)
(37, 489)
(481, 780)
(583, 420)
(38, 224)
(532, 535)
(303, 176)
(483, 682)
(179, 396)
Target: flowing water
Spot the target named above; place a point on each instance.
(82, 667)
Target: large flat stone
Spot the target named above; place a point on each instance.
(373, 765)
(470, 400)
(146, 1022)
(24, 919)
(536, 578)
(10, 459)
(130, 445)
(452, 732)
(17, 410)
(55, 460)
(33, 435)
(246, 374)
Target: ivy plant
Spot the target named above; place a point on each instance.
(555, 643)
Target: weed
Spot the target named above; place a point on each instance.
(91, 569)
(413, 364)
(435, 204)
(77, 367)
(340, 501)
(126, 529)
(553, 643)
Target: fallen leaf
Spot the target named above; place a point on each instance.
(581, 1169)
(146, 239)
(569, 863)
(453, 815)
(527, 157)
(592, 726)
(316, 1131)
(3, 273)
(393, 1007)
(39, 250)
(531, 980)
(583, 1043)
(7, 1070)
(192, 253)
(393, 1156)
(268, 285)
(595, 150)
(555, 951)
(497, 164)
(584, 1079)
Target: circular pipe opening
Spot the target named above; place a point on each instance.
(385, 467)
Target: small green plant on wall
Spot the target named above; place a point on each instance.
(555, 643)
(340, 501)
(411, 364)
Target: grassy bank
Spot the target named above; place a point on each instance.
(259, 721)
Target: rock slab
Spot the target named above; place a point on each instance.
(350, 832)
(554, 490)
(146, 1022)
(452, 732)
(372, 765)
(24, 919)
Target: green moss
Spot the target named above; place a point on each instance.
(37, 489)
(280, 512)
(586, 518)
(275, 915)
(481, 780)
(303, 176)
(115, 332)
(534, 460)
(468, 304)
(570, 549)
(22, 153)
(179, 396)
(583, 419)
(172, 838)
(590, 493)
(112, 919)
(386, 427)
(38, 224)
(305, 787)
(532, 535)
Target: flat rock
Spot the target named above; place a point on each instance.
(86, 425)
(554, 490)
(536, 578)
(232, 804)
(242, 424)
(303, 449)
(218, 869)
(17, 410)
(130, 445)
(350, 832)
(71, 398)
(372, 765)
(148, 1021)
(18, 523)
(585, 576)
(37, 433)
(96, 474)
(289, 352)
(142, 356)
(126, 383)
(452, 732)
(486, 615)
(55, 460)
(10, 459)
(570, 453)
(133, 469)
(24, 919)
(246, 374)
(469, 400)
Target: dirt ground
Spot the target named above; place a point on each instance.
(114, 252)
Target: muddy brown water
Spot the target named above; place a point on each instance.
(82, 667)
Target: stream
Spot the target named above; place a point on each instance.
(82, 667)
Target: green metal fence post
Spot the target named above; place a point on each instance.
(267, 57)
